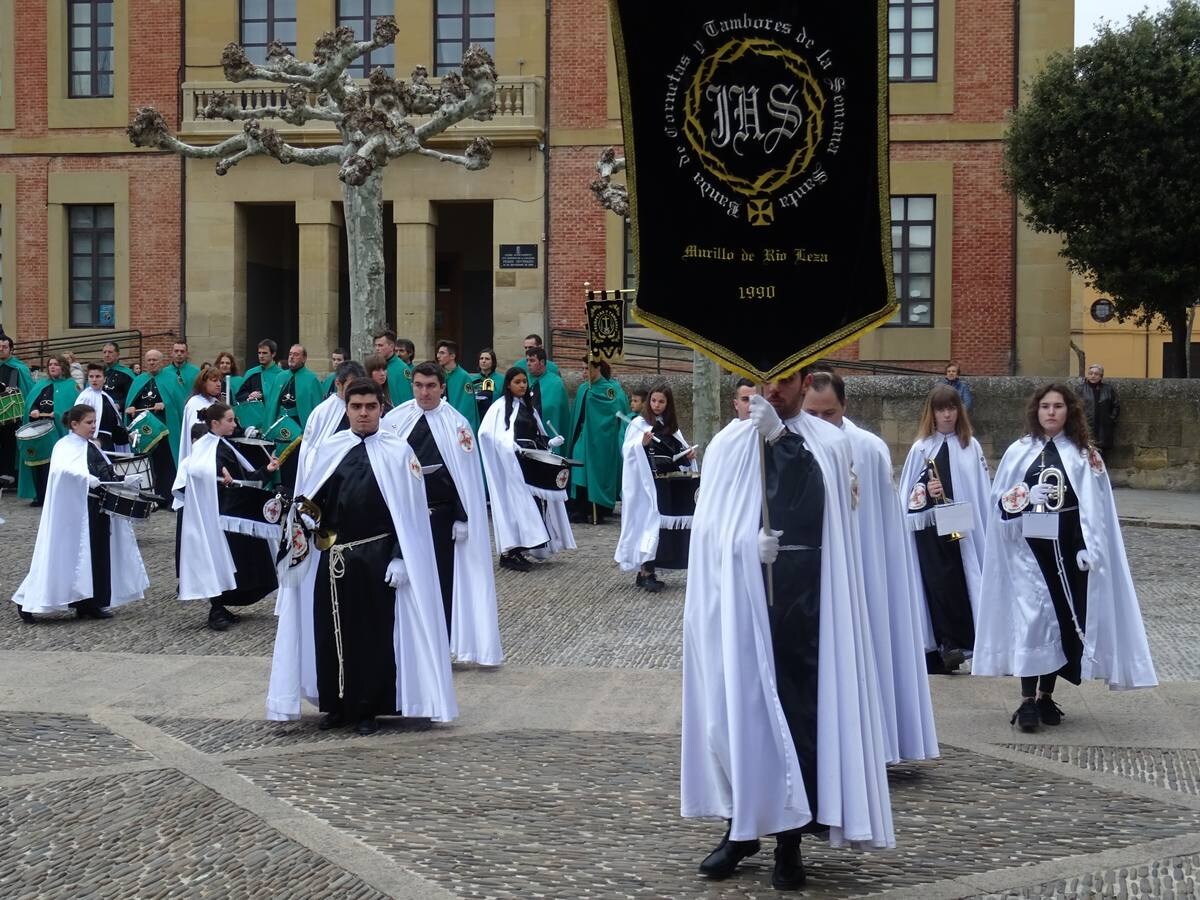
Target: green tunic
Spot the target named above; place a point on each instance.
(399, 374)
(309, 393)
(175, 387)
(460, 392)
(552, 403)
(25, 386)
(65, 392)
(595, 440)
(111, 382)
(523, 363)
(327, 387)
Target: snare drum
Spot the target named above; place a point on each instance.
(286, 433)
(261, 510)
(251, 414)
(36, 442)
(257, 452)
(677, 495)
(543, 469)
(12, 407)
(145, 431)
(127, 502)
(138, 465)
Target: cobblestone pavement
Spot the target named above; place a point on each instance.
(561, 778)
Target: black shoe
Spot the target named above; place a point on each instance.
(649, 583)
(1049, 711)
(366, 725)
(25, 615)
(514, 562)
(331, 720)
(952, 658)
(788, 874)
(92, 612)
(232, 616)
(35, 503)
(1027, 716)
(723, 861)
(934, 664)
(218, 618)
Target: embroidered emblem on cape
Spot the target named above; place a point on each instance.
(466, 440)
(469, 388)
(414, 466)
(1095, 460)
(1016, 499)
(408, 374)
(298, 544)
(919, 497)
(562, 478)
(273, 510)
(611, 394)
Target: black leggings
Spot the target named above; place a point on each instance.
(1031, 684)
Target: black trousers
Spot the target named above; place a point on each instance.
(99, 529)
(1031, 684)
(8, 449)
(41, 478)
(441, 527)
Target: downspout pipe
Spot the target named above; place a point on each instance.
(1016, 99)
(182, 175)
(548, 337)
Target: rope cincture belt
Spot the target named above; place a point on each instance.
(337, 568)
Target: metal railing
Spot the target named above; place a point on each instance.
(665, 357)
(86, 348)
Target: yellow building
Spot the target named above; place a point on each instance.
(1124, 350)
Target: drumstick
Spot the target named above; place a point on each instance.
(628, 420)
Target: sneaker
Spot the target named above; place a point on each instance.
(1027, 717)
(514, 562)
(1049, 711)
(649, 583)
(952, 658)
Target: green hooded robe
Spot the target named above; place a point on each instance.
(553, 403)
(595, 440)
(460, 393)
(399, 374)
(175, 387)
(65, 392)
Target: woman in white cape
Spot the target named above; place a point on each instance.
(82, 558)
(652, 440)
(946, 464)
(526, 518)
(206, 390)
(1061, 605)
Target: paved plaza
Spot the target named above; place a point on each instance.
(135, 761)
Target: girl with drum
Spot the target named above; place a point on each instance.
(206, 390)
(49, 402)
(82, 558)
(1058, 599)
(528, 517)
(224, 557)
(656, 505)
(946, 465)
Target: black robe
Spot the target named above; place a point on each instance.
(360, 631)
(10, 380)
(796, 502)
(673, 543)
(942, 573)
(116, 385)
(445, 508)
(99, 530)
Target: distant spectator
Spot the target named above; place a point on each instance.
(1101, 407)
(76, 369)
(964, 389)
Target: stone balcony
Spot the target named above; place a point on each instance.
(519, 117)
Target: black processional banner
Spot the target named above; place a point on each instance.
(606, 325)
(756, 154)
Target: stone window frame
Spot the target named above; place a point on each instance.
(906, 32)
(101, 224)
(94, 48)
(363, 23)
(65, 111)
(466, 17)
(7, 70)
(257, 50)
(8, 251)
(903, 251)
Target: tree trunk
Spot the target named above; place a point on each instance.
(706, 399)
(364, 241)
(1181, 333)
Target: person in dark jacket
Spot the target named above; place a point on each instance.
(964, 390)
(1102, 407)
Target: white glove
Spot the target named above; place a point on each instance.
(557, 441)
(253, 433)
(396, 575)
(765, 419)
(1083, 560)
(308, 521)
(133, 479)
(1039, 493)
(93, 481)
(768, 545)
(459, 534)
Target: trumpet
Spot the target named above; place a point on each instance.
(933, 468)
(1054, 478)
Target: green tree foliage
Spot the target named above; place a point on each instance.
(1106, 152)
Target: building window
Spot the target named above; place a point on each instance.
(912, 259)
(458, 25)
(912, 40)
(264, 21)
(360, 16)
(93, 253)
(90, 25)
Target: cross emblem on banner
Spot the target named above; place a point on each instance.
(761, 212)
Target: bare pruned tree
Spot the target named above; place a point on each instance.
(614, 197)
(372, 121)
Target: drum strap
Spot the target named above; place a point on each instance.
(791, 547)
(337, 568)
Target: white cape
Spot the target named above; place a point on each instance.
(195, 405)
(1017, 632)
(322, 422)
(738, 760)
(424, 688)
(60, 571)
(640, 518)
(892, 605)
(96, 399)
(474, 622)
(515, 515)
(970, 480)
